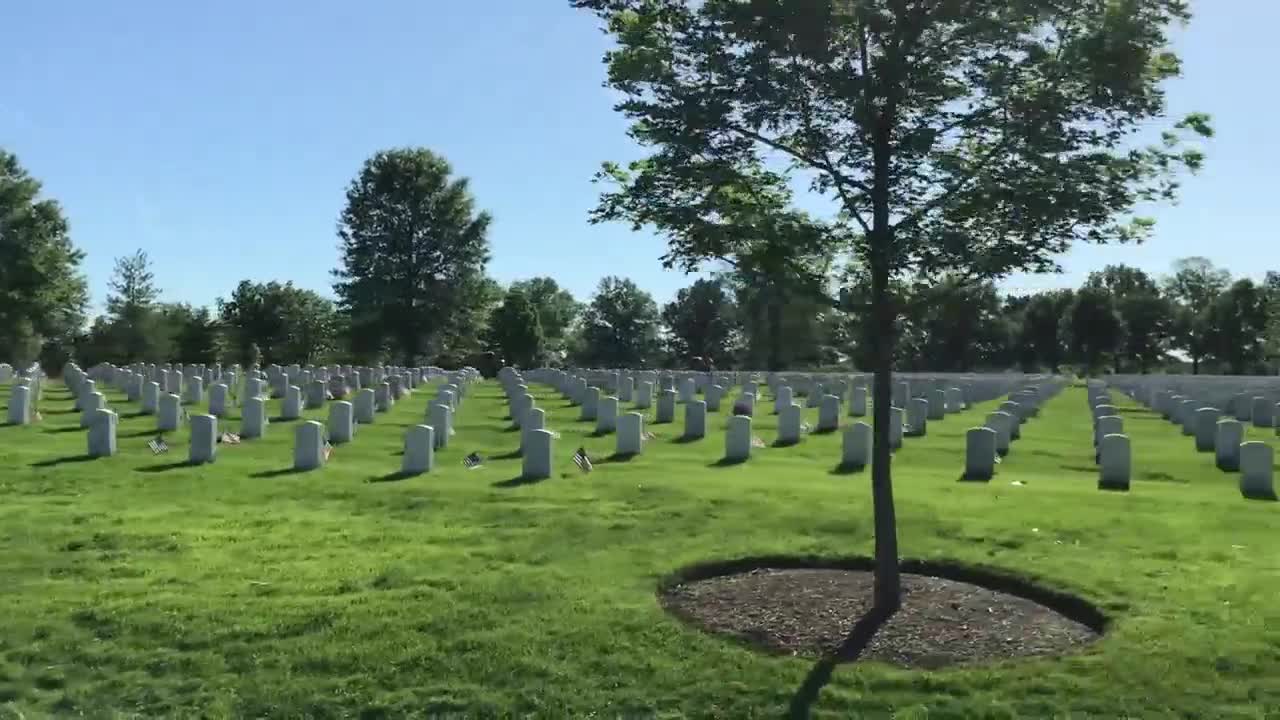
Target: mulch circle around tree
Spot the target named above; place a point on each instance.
(814, 612)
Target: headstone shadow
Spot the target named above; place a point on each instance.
(62, 461)
(396, 476)
(165, 467)
(277, 473)
(518, 481)
(848, 469)
(727, 462)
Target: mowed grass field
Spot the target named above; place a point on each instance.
(137, 586)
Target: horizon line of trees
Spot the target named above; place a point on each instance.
(421, 295)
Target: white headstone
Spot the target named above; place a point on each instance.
(365, 405)
(204, 439)
(895, 428)
(442, 422)
(666, 406)
(316, 393)
(1000, 422)
(195, 391)
(917, 417)
(857, 446)
(695, 420)
(169, 417)
(308, 446)
(1262, 408)
(714, 396)
(150, 398)
(19, 405)
(858, 402)
(979, 454)
(1206, 422)
(1114, 468)
(1256, 461)
(630, 439)
(644, 395)
(590, 404)
(737, 440)
(829, 414)
(383, 400)
(342, 422)
(419, 450)
(534, 419)
(291, 408)
(1226, 444)
(253, 418)
(783, 399)
(102, 433)
(607, 415)
(538, 447)
(626, 389)
(789, 424)
(90, 405)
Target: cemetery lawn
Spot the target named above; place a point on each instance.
(136, 585)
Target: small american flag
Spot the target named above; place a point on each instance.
(473, 461)
(581, 460)
(328, 450)
(804, 428)
(158, 445)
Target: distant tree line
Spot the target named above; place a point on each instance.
(411, 287)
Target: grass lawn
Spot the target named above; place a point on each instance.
(135, 585)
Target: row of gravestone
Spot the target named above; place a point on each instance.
(1253, 399)
(983, 446)
(1212, 432)
(311, 438)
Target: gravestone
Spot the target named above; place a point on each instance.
(937, 405)
(382, 399)
(1106, 425)
(19, 412)
(1000, 422)
(895, 428)
(1014, 410)
(858, 402)
(666, 407)
(1115, 465)
(102, 433)
(291, 408)
(195, 391)
(1226, 444)
(204, 439)
(150, 398)
(644, 395)
(365, 405)
(534, 419)
(1262, 408)
(1256, 461)
(979, 454)
(815, 396)
(901, 393)
(782, 399)
(954, 401)
(538, 447)
(856, 450)
(520, 406)
(917, 417)
(442, 421)
(91, 404)
(253, 418)
(419, 450)
(829, 414)
(626, 389)
(316, 391)
(607, 415)
(342, 422)
(1187, 416)
(687, 390)
(447, 397)
(630, 439)
(169, 418)
(1206, 422)
(695, 420)
(308, 446)
(714, 396)
(745, 404)
(789, 425)
(590, 404)
(737, 440)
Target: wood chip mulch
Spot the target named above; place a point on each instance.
(813, 611)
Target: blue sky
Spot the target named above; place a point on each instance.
(220, 137)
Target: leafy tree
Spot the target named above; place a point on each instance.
(282, 324)
(1092, 328)
(619, 326)
(1194, 286)
(1042, 324)
(701, 323)
(136, 324)
(195, 333)
(967, 138)
(411, 239)
(555, 306)
(516, 331)
(1147, 316)
(1272, 285)
(462, 333)
(1237, 322)
(42, 292)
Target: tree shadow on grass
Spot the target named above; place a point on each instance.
(849, 651)
(63, 461)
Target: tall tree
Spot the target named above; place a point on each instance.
(1272, 344)
(1092, 328)
(137, 325)
(1147, 316)
(555, 306)
(619, 326)
(515, 330)
(195, 333)
(1194, 286)
(1237, 322)
(1041, 327)
(970, 137)
(701, 323)
(279, 322)
(411, 238)
(42, 292)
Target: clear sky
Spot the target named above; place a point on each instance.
(220, 137)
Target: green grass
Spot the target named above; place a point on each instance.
(134, 585)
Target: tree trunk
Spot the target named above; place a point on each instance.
(1195, 364)
(888, 583)
(775, 329)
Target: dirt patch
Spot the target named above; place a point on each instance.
(814, 611)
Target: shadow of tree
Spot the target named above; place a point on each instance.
(850, 650)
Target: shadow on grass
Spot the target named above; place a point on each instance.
(849, 651)
(848, 469)
(621, 457)
(67, 429)
(1261, 496)
(396, 476)
(165, 467)
(62, 461)
(68, 411)
(1154, 476)
(727, 462)
(511, 455)
(686, 439)
(519, 481)
(151, 432)
(784, 443)
(966, 477)
(278, 473)
(1080, 468)
(132, 415)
